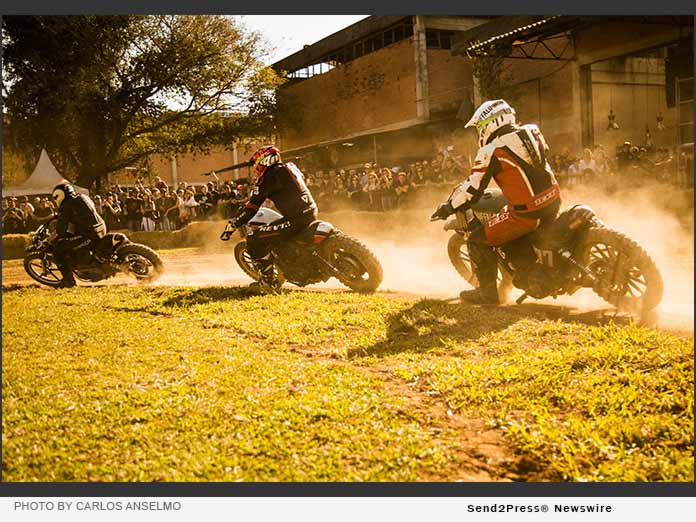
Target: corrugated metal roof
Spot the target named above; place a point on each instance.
(499, 30)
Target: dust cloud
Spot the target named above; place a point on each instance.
(413, 250)
(417, 262)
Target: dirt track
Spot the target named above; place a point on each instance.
(192, 268)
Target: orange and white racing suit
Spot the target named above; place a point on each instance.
(516, 159)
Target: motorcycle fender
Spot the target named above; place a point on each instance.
(322, 231)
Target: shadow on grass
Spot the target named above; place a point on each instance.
(184, 297)
(423, 325)
(13, 287)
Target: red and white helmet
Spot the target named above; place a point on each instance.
(489, 117)
(265, 157)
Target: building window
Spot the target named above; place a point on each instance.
(437, 39)
(371, 43)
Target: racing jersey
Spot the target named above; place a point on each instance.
(284, 185)
(516, 160)
(78, 216)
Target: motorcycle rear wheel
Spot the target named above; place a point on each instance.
(458, 253)
(628, 277)
(143, 263)
(43, 268)
(358, 267)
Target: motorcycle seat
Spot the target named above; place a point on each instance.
(315, 233)
(560, 232)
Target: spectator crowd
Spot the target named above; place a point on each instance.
(371, 187)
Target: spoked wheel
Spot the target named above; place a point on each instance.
(246, 263)
(358, 267)
(141, 262)
(43, 268)
(627, 276)
(458, 253)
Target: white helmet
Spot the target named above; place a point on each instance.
(489, 117)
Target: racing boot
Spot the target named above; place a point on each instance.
(65, 267)
(269, 280)
(485, 264)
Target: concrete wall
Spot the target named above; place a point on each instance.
(542, 93)
(635, 89)
(450, 81)
(375, 90)
(549, 93)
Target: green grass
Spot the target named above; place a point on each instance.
(187, 384)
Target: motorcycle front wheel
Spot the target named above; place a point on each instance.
(43, 268)
(246, 263)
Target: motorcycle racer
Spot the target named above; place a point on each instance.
(515, 156)
(284, 184)
(78, 225)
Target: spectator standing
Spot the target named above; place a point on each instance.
(43, 212)
(402, 188)
(587, 166)
(373, 193)
(28, 210)
(150, 215)
(187, 210)
(112, 212)
(355, 192)
(386, 189)
(171, 213)
(133, 211)
(13, 221)
(205, 204)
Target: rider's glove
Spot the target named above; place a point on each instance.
(229, 230)
(442, 211)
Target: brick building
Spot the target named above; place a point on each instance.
(387, 88)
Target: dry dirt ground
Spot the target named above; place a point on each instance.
(191, 267)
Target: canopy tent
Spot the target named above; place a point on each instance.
(41, 181)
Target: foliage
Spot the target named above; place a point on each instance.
(491, 77)
(104, 92)
(213, 384)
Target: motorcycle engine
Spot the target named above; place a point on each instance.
(540, 283)
(296, 263)
(90, 273)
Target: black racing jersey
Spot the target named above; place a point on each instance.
(77, 215)
(284, 185)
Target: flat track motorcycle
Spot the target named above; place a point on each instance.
(316, 254)
(110, 255)
(576, 250)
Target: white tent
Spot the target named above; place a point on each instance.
(41, 181)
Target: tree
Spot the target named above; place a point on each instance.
(100, 93)
(491, 77)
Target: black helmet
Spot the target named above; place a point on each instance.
(61, 191)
